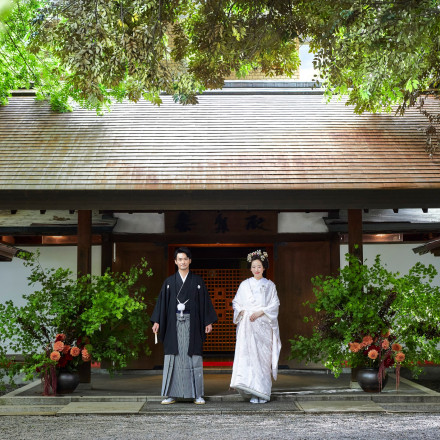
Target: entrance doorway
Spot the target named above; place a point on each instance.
(222, 267)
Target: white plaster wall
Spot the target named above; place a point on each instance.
(140, 223)
(398, 257)
(301, 222)
(13, 275)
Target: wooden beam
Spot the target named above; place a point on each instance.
(355, 233)
(162, 200)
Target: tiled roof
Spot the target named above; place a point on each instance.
(225, 142)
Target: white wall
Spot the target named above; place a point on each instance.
(138, 223)
(302, 222)
(13, 275)
(398, 257)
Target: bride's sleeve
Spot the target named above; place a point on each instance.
(237, 304)
(273, 304)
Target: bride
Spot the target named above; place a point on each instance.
(258, 337)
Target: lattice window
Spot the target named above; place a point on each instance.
(222, 285)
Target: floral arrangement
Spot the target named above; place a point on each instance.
(69, 356)
(365, 314)
(110, 309)
(259, 253)
(63, 356)
(379, 351)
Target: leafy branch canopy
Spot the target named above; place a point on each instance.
(381, 53)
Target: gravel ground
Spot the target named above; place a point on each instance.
(243, 427)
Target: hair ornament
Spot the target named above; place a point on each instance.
(261, 255)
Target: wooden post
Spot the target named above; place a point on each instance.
(84, 267)
(355, 233)
(355, 248)
(84, 262)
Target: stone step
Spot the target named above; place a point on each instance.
(34, 401)
(411, 407)
(407, 398)
(30, 410)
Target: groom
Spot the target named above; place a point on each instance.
(183, 316)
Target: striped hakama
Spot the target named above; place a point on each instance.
(182, 374)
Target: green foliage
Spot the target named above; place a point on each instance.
(381, 53)
(20, 68)
(108, 310)
(5, 8)
(370, 300)
(95, 53)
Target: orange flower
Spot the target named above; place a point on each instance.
(354, 346)
(75, 351)
(85, 355)
(396, 347)
(372, 354)
(60, 337)
(385, 344)
(55, 356)
(368, 340)
(400, 357)
(58, 346)
(66, 349)
(385, 335)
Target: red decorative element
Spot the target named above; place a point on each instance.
(218, 364)
(50, 381)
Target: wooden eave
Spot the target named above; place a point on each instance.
(259, 151)
(7, 252)
(431, 246)
(387, 221)
(31, 222)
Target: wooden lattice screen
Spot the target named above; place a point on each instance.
(222, 285)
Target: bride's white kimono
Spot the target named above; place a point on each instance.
(258, 345)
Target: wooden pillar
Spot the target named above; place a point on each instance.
(355, 248)
(84, 262)
(355, 233)
(84, 267)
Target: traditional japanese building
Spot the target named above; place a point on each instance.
(265, 167)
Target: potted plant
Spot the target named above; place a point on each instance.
(369, 317)
(60, 362)
(104, 317)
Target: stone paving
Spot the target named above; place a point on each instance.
(295, 392)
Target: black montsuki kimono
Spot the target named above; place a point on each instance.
(201, 312)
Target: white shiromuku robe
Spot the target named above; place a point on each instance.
(258, 345)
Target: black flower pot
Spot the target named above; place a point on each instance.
(67, 382)
(368, 380)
